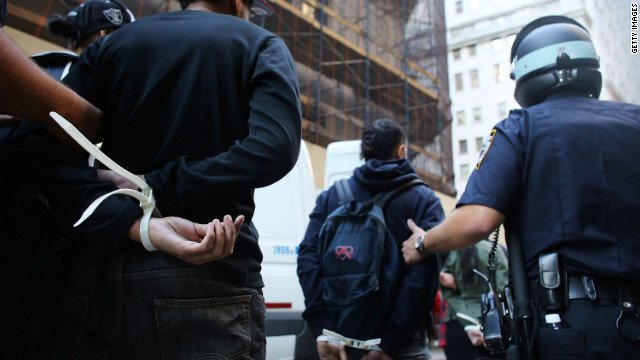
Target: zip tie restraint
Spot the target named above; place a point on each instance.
(327, 335)
(145, 195)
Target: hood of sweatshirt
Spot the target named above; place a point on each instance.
(383, 175)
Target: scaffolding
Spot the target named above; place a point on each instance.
(357, 61)
(362, 60)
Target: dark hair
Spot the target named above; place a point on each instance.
(468, 258)
(380, 140)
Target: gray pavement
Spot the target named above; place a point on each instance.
(437, 353)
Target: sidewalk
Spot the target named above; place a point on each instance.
(437, 353)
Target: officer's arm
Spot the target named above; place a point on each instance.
(465, 226)
(26, 91)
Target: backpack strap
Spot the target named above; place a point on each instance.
(344, 191)
(381, 199)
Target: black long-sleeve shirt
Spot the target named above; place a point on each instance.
(207, 107)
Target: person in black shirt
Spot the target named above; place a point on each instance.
(205, 106)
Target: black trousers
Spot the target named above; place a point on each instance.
(589, 333)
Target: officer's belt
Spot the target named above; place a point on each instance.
(587, 287)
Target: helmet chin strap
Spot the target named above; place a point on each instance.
(563, 64)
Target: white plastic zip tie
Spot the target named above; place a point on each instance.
(328, 335)
(145, 196)
(468, 318)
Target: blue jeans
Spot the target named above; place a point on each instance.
(170, 314)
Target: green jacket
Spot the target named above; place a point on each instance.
(467, 301)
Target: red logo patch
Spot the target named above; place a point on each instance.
(344, 252)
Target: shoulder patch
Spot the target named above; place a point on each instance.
(485, 148)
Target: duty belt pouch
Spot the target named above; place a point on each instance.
(552, 283)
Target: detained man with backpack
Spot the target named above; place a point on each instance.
(362, 301)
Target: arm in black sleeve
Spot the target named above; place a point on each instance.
(68, 184)
(268, 152)
(419, 285)
(316, 313)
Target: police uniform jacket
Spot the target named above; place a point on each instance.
(565, 173)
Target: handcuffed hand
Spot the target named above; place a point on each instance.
(192, 242)
(328, 350)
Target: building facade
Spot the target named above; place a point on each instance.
(479, 38)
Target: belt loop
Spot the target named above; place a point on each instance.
(626, 309)
(589, 287)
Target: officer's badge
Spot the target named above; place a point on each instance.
(114, 16)
(485, 148)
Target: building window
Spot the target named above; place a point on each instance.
(474, 78)
(479, 143)
(500, 72)
(456, 54)
(472, 50)
(497, 45)
(458, 6)
(462, 145)
(458, 82)
(462, 118)
(502, 110)
(477, 114)
(464, 172)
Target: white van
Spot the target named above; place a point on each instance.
(281, 217)
(342, 158)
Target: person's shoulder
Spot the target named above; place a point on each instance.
(422, 189)
(617, 105)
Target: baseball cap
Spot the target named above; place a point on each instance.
(95, 15)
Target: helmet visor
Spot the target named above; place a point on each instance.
(545, 57)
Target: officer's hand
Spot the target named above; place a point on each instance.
(409, 253)
(328, 350)
(192, 242)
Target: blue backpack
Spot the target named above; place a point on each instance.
(360, 263)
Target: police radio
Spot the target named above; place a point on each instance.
(496, 318)
(497, 311)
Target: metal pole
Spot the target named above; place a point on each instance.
(367, 66)
(405, 68)
(319, 80)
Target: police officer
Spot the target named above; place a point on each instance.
(562, 173)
